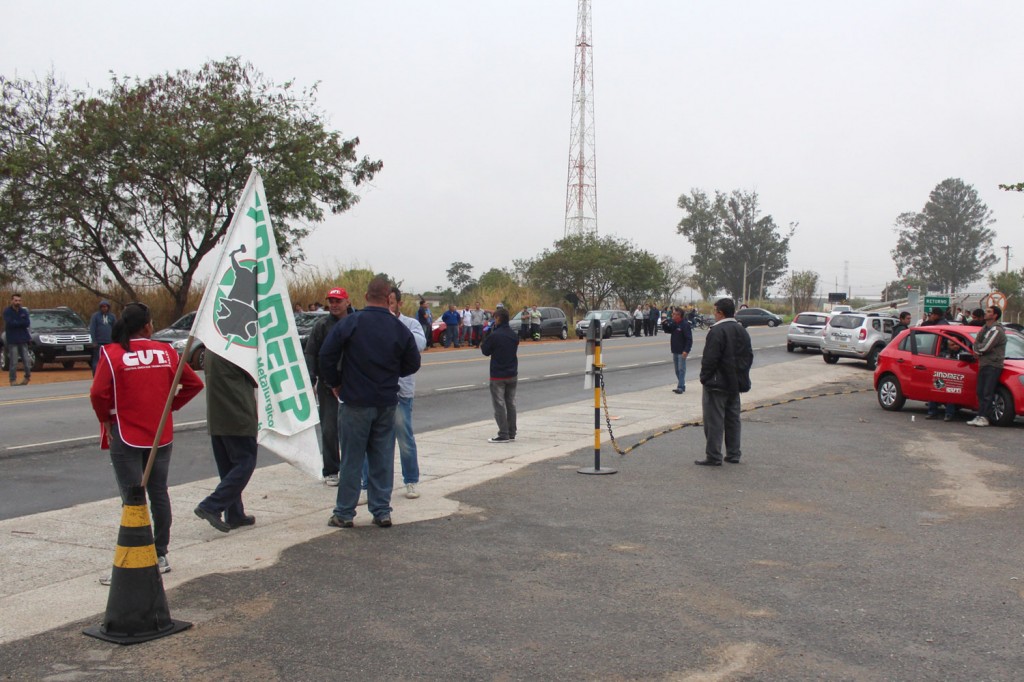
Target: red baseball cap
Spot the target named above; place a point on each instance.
(337, 292)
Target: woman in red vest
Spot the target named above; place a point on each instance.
(133, 378)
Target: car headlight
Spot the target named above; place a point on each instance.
(179, 345)
(46, 338)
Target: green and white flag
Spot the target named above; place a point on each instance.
(246, 317)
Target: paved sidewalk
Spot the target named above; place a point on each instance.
(51, 561)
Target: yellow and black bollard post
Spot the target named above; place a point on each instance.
(136, 605)
(595, 372)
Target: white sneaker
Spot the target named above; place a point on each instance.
(972, 422)
(363, 499)
(331, 480)
(980, 421)
(162, 565)
(411, 492)
(105, 579)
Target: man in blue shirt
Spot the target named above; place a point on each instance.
(362, 360)
(681, 342)
(453, 322)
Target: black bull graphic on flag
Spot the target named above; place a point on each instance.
(236, 315)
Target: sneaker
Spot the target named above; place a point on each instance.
(947, 418)
(363, 498)
(498, 439)
(338, 522)
(23, 382)
(980, 421)
(384, 520)
(162, 565)
(105, 579)
(331, 480)
(411, 492)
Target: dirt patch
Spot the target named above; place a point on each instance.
(964, 475)
(56, 375)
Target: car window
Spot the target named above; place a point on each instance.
(1014, 346)
(905, 343)
(847, 321)
(184, 323)
(553, 312)
(55, 318)
(924, 342)
(810, 319)
(887, 326)
(876, 325)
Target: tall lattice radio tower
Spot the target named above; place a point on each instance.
(581, 189)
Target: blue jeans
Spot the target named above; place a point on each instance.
(988, 379)
(13, 350)
(406, 446)
(453, 336)
(366, 433)
(129, 464)
(679, 362)
(933, 409)
(236, 460)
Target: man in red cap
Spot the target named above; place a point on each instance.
(338, 307)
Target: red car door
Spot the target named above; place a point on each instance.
(919, 364)
(952, 380)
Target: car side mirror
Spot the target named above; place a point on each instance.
(966, 356)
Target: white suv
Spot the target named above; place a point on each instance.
(861, 336)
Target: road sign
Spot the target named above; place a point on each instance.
(935, 302)
(996, 298)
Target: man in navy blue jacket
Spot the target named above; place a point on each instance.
(362, 360)
(681, 341)
(501, 345)
(18, 337)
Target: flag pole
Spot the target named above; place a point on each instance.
(167, 411)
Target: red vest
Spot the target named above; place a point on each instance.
(132, 387)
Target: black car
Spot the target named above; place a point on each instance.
(756, 316)
(58, 335)
(552, 322)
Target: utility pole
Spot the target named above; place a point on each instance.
(581, 188)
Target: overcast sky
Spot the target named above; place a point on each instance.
(840, 115)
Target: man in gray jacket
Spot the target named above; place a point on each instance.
(338, 306)
(724, 373)
(990, 347)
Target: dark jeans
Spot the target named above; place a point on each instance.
(13, 350)
(236, 460)
(329, 448)
(503, 397)
(721, 417)
(988, 379)
(366, 433)
(129, 463)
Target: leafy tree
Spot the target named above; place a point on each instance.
(136, 184)
(1010, 283)
(460, 275)
(495, 278)
(638, 277)
(1016, 187)
(897, 289)
(676, 276)
(801, 287)
(948, 244)
(585, 265)
(728, 233)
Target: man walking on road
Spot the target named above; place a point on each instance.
(16, 327)
(338, 306)
(232, 422)
(681, 341)
(990, 347)
(501, 346)
(374, 349)
(725, 373)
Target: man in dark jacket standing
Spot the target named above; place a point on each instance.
(501, 346)
(374, 349)
(16, 328)
(100, 326)
(338, 306)
(680, 341)
(725, 373)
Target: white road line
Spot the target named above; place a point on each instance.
(455, 388)
(560, 374)
(81, 438)
(635, 364)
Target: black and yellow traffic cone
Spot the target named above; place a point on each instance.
(136, 606)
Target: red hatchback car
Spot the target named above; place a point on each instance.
(937, 364)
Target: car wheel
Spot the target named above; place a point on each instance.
(872, 358)
(790, 347)
(198, 358)
(772, 323)
(629, 331)
(35, 360)
(68, 364)
(890, 394)
(1002, 407)
(565, 333)
(829, 358)
(606, 333)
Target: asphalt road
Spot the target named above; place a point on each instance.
(850, 544)
(49, 457)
